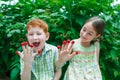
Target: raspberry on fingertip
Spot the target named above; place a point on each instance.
(17, 52)
(58, 46)
(64, 42)
(39, 52)
(24, 43)
(76, 53)
(73, 42)
(31, 45)
(68, 41)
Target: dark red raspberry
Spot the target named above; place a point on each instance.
(31, 45)
(24, 43)
(72, 42)
(64, 42)
(39, 52)
(17, 53)
(68, 41)
(58, 46)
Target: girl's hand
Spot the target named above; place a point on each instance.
(28, 55)
(65, 51)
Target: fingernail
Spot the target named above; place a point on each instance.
(31, 45)
(64, 42)
(17, 52)
(68, 41)
(72, 42)
(58, 46)
(24, 43)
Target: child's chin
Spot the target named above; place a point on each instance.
(36, 48)
(83, 40)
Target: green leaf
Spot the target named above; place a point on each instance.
(116, 73)
(39, 11)
(113, 54)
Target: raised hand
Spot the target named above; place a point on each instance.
(28, 55)
(65, 51)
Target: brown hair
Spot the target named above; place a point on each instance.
(98, 24)
(37, 23)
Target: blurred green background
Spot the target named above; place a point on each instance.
(65, 19)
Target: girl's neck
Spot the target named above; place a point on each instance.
(85, 44)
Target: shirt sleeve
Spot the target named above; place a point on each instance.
(21, 66)
(55, 55)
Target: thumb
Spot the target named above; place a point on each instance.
(73, 54)
(20, 54)
(34, 54)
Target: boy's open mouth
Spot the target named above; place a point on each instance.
(36, 44)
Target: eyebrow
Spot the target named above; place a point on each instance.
(89, 31)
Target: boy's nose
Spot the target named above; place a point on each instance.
(35, 37)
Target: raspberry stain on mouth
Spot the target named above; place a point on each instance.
(36, 44)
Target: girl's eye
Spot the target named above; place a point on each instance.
(84, 29)
(90, 34)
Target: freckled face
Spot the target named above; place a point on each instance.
(87, 33)
(37, 37)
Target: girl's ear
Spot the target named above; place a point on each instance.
(98, 36)
(47, 36)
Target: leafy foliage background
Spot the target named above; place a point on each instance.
(65, 19)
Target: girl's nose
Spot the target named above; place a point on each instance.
(85, 34)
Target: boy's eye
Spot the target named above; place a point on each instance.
(30, 34)
(38, 33)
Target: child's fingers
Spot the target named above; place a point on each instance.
(34, 54)
(23, 46)
(73, 54)
(20, 54)
(31, 49)
(39, 52)
(67, 45)
(63, 45)
(77, 52)
(59, 48)
(27, 49)
(71, 45)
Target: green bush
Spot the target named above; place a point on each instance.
(65, 19)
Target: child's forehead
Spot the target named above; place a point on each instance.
(89, 27)
(88, 23)
(35, 28)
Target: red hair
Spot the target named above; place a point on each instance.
(37, 23)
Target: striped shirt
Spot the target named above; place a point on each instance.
(43, 66)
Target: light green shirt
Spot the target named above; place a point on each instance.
(43, 67)
(83, 66)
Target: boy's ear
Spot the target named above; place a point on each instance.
(47, 35)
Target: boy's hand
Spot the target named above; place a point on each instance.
(65, 51)
(28, 55)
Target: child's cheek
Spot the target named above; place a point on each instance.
(42, 37)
